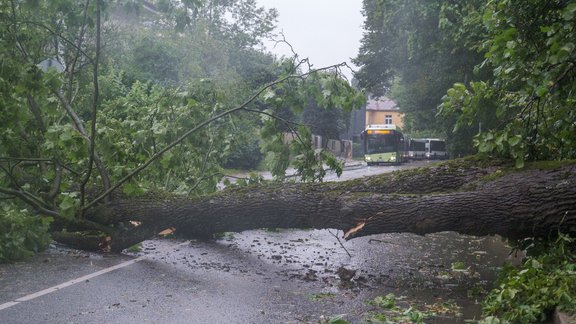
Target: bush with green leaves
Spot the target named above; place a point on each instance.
(245, 156)
(529, 293)
(21, 234)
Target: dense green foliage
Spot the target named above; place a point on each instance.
(21, 234)
(501, 72)
(530, 49)
(124, 95)
(546, 280)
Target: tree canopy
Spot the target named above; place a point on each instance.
(499, 73)
(107, 98)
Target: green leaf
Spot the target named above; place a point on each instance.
(132, 189)
(569, 12)
(541, 91)
(269, 94)
(68, 205)
(515, 140)
(519, 162)
(338, 319)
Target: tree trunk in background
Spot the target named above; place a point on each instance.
(455, 196)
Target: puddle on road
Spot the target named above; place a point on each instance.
(425, 270)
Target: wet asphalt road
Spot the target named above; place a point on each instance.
(254, 277)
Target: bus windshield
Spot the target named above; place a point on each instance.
(380, 144)
(437, 146)
(417, 146)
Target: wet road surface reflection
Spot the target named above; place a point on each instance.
(425, 272)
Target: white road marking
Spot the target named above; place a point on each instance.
(74, 281)
(8, 304)
(69, 283)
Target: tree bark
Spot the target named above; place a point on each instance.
(455, 196)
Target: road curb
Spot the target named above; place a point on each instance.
(354, 166)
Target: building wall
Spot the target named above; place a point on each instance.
(340, 148)
(378, 116)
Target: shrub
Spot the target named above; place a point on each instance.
(21, 234)
(544, 281)
(245, 157)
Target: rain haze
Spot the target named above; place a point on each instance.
(325, 31)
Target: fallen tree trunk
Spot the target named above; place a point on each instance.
(456, 196)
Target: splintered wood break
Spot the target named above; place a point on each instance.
(135, 223)
(354, 230)
(167, 231)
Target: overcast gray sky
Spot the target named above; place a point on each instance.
(325, 31)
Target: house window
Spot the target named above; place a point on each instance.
(388, 119)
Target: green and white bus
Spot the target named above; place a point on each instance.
(383, 144)
(436, 149)
(417, 148)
